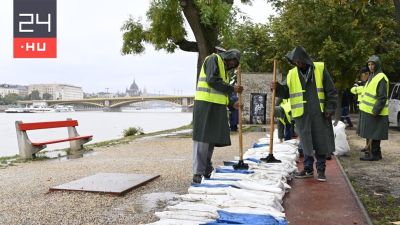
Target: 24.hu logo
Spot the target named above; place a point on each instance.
(35, 28)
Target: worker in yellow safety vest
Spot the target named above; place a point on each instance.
(283, 113)
(374, 121)
(313, 100)
(359, 85)
(210, 115)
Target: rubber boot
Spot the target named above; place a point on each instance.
(379, 153)
(370, 156)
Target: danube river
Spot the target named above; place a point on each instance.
(102, 125)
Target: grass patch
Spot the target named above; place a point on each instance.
(132, 131)
(383, 209)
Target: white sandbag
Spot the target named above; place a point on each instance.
(206, 191)
(341, 145)
(203, 198)
(259, 197)
(200, 207)
(186, 215)
(178, 222)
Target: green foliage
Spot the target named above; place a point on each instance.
(340, 34)
(255, 43)
(132, 131)
(383, 209)
(34, 95)
(167, 26)
(215, 12)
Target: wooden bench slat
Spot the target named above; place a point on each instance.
(46, 125)
(61, 140)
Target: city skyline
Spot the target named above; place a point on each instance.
(89, 44)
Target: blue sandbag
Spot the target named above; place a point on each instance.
(245, 218)
(219, 170)
(255, 145)
(217, 223)
(214, 185)
(230, 163)
(223, 179)
(253, 160)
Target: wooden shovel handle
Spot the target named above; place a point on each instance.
(271, 131)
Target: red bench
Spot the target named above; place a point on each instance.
(28, 149)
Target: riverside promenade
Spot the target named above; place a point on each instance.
(25, 196)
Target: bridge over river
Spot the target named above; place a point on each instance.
(115, 104)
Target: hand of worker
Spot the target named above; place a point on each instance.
(274, 85)
(238, 88)
(327, 115)
(355, 85)
(236, 105)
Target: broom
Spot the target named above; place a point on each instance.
(270, 158)
(240, 165)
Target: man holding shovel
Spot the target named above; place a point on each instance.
(313, 100)
(210, 120)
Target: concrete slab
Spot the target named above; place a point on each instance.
(110, 183)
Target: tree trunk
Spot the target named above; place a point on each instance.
(206, 37)
(397, 9)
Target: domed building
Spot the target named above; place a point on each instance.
(133, 90)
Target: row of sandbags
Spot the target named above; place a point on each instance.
(252, 196)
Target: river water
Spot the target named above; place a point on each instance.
(102, 125)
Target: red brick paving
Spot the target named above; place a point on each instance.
(311, 202)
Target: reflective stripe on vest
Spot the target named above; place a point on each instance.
(285, 105)
(368, 98)
(206, 93)
(296, 90)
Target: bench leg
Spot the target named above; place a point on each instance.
(26, 150)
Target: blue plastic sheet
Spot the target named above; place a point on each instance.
(223, 179)
(253, 160)
(214, 185)
(245, 218)
(255, 145)
(219, 170)
(230, 163)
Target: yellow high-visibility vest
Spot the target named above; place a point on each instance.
(357, 91)
(296, 90)
(368, 98)
(285, 105)
(206, 93)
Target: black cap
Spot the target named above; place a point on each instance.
(364, 69)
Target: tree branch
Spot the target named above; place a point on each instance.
(188, 46)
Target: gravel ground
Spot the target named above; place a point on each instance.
(25, 198)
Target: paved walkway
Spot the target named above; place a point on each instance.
(311, 202)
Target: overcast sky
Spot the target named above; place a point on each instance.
(88, 53)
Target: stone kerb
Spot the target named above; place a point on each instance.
(256, 83)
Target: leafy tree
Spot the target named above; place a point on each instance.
(338, 34)
(10, 99)
(35, 95)
(47, 96)
(255, 43)
(208, 20)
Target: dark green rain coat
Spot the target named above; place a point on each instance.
(375, 127)
(314, 129)
(210, 120)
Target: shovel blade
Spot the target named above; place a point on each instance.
(270, 159)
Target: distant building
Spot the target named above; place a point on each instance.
(133, 90)
(58, 91)
(6, 89)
